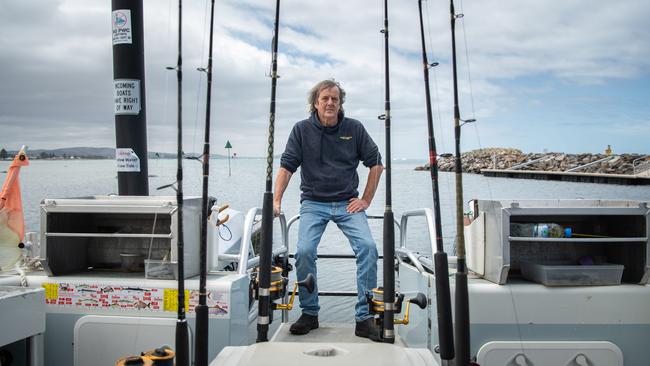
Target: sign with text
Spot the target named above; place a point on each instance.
(127, 160)
(122, 30)
(127, 96)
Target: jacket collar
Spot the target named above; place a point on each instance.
(327, 129)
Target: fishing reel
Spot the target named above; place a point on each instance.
(163, 356)
(376, 305)
(279, 284)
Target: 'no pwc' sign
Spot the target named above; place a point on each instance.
(122, 29)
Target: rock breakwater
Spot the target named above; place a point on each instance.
(506, 158)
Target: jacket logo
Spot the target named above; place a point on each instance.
(345, 138)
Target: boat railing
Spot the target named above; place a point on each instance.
(245, 262)
(422, 262)
(294, 219)
(285, 235)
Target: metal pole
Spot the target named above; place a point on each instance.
(129, 98)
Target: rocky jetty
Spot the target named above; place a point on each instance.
(506, 158)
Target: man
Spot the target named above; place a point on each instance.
(328, 147)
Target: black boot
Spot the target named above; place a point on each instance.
(304, 324)
(368, 329)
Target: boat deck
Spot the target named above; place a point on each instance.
(326, 333)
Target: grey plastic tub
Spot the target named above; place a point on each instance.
(562, 274)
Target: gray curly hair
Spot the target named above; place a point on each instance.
(314, 93)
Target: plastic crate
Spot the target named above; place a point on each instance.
(160, 270)
(565, 274)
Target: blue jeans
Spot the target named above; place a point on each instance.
(314, 217)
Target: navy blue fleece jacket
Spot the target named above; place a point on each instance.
(329, 157)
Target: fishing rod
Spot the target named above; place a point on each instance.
(201, 343)
(182, 337)
(264, 290)
(461, 307)
(441, 264)
(389, 219)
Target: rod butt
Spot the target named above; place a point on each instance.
(445, 324)
(182, 343)
(201, 341)
(461, 308)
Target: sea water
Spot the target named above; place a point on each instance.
(244, 188)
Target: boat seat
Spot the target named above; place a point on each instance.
(317, 353)
(330, 344)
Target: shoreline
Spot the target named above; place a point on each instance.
(476, 161)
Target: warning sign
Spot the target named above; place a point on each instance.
(127, 160)
(122, 27)
(127, 96)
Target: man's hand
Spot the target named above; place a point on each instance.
(281, 182)
(357, 205)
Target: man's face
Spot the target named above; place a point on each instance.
(328, 105)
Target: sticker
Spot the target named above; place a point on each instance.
(218, 303)
(171, 299)
(127, 96)
(127, 160)
(118, 298)
(122, 27)
(51, 291)
(105, 297)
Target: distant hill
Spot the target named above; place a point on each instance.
(91, 153)
(80, 152)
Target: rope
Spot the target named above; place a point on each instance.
(515, 313)
(269, 149)
(469, 73)
(200, 81)
(153, 231)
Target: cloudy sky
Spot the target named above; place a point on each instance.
(570, 75)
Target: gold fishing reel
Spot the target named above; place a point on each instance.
(134, 361)
(279, 284)
(376, 304)
(163, 356)
(308, 283)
